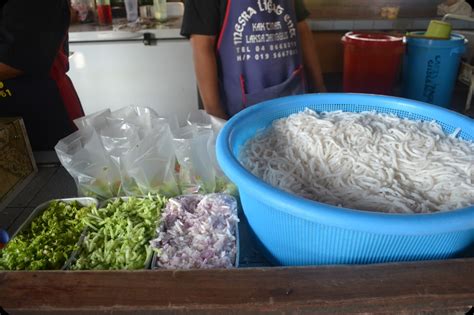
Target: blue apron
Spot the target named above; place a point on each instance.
(258, 53)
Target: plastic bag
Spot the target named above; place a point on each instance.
(217, 124)
(149, 166)
(83, 156)
(223, 184)
(95, 121)
(195, 171)
(118, 139)
(199, 119)
(125, 152)
(140, 117)
(201, 159)
(203, 121)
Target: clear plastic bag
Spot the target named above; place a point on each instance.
(149, 166)
(195, 171)
(199, 119)
(133, 151)
(126, 152)
(118, 139)
(202, 162)
(203, 121)
(95, 121)
(140, 117)
(217, 124)
(182, 139)
(223, 184)
(83, 156)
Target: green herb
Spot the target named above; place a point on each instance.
(119, 234)
(224, 185)
(48, 241)
(167, 189)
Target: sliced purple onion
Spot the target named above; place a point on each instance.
(197, 232)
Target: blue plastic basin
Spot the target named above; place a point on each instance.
(297, 231)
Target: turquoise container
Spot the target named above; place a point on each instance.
(430, 68)
(294, 231)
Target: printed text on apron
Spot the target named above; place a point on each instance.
(258, 53)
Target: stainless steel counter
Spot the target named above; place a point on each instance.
(120, 32)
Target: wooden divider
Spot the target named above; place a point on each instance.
(439, 287)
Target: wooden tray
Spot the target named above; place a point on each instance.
(17, 164)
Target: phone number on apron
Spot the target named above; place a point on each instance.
(6, 92)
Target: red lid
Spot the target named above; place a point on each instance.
(372, 39)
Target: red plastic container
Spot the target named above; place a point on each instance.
(371, 62)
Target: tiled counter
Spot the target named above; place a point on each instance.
(381, 25)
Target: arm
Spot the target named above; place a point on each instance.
(205, 65)
(7, 72)
(310, 58)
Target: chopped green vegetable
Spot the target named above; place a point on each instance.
(132, 188)
(119, 234)
(48, 241)
(224, 185)
(101, 189)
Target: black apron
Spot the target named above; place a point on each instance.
(38, 100)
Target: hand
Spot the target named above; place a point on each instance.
(218, 112)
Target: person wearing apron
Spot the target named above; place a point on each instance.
(249, 51)
(33, 65)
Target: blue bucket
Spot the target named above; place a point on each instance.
(430, 68)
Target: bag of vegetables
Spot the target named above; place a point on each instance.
(83, 156)
(148, 167)
(207, 128)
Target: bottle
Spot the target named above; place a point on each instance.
(131, 6)
(104, 12)
(160, 10)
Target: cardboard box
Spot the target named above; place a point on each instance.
(17, 164)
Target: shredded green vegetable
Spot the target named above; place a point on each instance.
(118, 235)
(48, 241)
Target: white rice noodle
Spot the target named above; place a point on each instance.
(365, 161)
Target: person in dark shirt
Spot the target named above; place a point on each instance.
(248, 51)
(33, 65)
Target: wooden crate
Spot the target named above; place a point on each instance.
(17, 164)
